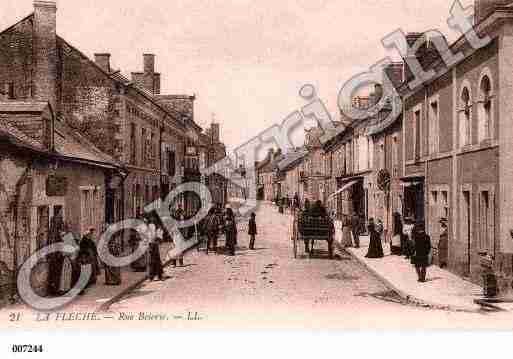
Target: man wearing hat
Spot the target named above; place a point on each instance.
(443, 244)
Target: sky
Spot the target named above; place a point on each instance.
(244, 60)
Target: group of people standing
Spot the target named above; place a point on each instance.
(287, 203)
(218, 222)
(409, 239)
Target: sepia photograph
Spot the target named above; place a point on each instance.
(312, 165)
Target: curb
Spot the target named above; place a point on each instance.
(402, 294)
(105, 306)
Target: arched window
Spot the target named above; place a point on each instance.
(485, 109)
(465, 115)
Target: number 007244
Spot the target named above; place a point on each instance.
(27, 348)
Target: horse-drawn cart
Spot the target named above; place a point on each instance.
(309, 229)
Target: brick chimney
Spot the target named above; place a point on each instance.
(45, 52)
(484, 8)
(149, 79)
(103, 60)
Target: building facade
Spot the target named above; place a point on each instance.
(457, 150)
(48, 170)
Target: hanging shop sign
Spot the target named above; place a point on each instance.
(56, 186)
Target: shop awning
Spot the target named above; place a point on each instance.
(344, 188)
(412, 180)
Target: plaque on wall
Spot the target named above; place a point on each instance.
(56, 186)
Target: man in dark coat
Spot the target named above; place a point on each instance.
(422, 244)
(88, 254)
(252, 231)
(212, 225)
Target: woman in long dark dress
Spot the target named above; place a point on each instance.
(155, 268)
(396, 243)
(422, 244)
(55, 260)
(375, 247)
(88, 255)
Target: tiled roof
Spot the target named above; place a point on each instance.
(68, 143)
(17, 137)
(292, 159)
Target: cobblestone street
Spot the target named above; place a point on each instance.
(267, 287)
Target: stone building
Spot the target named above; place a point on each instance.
(457, 146)
(47, 168)
(316, 169)
(290, 168)
(129, 119)
(265, 173)
(386, 133)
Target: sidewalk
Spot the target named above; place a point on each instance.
(100, 297)
(443, 289)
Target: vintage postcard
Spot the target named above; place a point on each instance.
(308, 164)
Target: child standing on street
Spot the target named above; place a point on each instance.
(252, 231)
